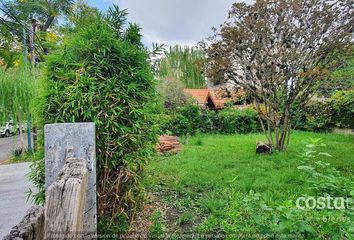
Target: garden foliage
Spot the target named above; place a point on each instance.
(184, 64)
(101, 74)
(261, 217)
(315, 116)
(337, 111)
(254, 50)
(190, 119)
(343, 105)
(171, 93)
(236, 121)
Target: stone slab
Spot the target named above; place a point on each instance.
(78, 140)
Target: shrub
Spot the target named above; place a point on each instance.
(236, 121)
(323, 115)
(177, 125)
(101, 74)
(318, 116)
(315, 116)
(187, 120)
(192, 114)
(171, 93)
(207, 124)
(190, 119)
(343, 105)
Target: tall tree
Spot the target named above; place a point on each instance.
(184, 64)
(17, 87)
(33, 16)
(277, 50)
(45, 12)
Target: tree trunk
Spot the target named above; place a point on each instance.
(22, 145)
(48, 23)
(32, 30)
(285, 130)
(34, 143)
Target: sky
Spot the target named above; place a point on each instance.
(170, 22)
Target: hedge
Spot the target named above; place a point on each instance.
(190, 119)
(343, 106)
(319, 116)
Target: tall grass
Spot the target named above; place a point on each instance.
(214, 172)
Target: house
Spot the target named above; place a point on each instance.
(215, 99)
(205, 98)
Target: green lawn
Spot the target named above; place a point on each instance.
(207, 185)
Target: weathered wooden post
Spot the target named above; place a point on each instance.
(70, 142)
(65, 202)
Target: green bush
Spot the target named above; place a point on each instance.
(207, 118)
(316, 116)
(236, 121)
(177, 125)
(186, 120)
(190, 119)
(323, 115)
(101, 74)
(192, 114)
(343, 105)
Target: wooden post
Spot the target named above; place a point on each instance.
(65, 202)
(80, 138)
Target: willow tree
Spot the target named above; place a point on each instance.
(16, 88)
(277, 50)
(184, 64)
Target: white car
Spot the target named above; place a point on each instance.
(8, 128)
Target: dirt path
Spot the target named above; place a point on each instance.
(7, 145)
(13, 205)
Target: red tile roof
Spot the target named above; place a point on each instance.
(215, 96)
(202, 96)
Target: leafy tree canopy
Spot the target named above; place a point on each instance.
(278, 50)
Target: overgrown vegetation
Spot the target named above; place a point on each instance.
(279, 51)
(104, 73)
(172, 95)
(17, 87)
(343, 106)
(233, 193)
(189, 120)
(323, 115)
(342, 79)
